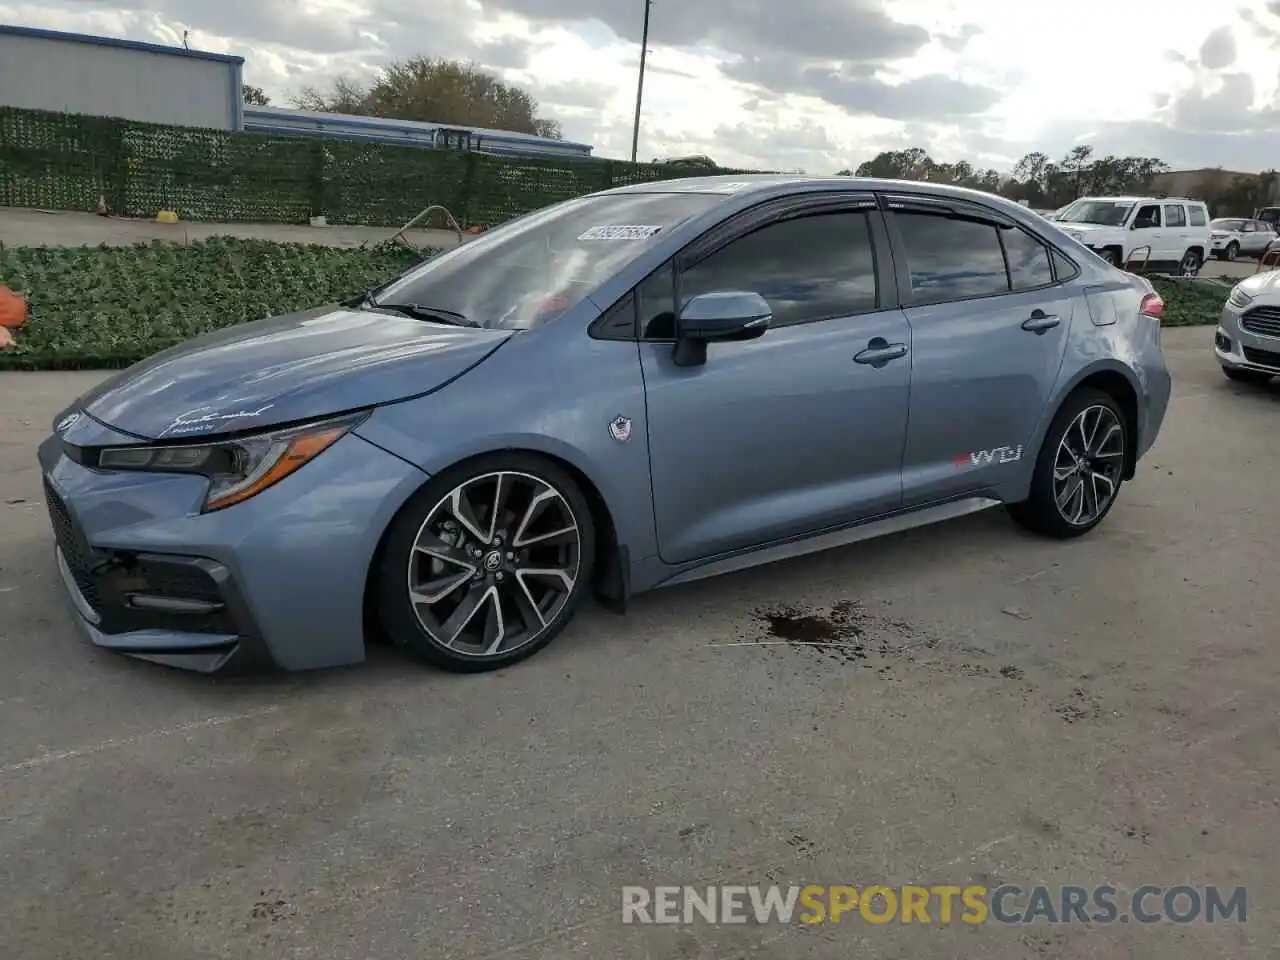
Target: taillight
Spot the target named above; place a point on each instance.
(1152, 306)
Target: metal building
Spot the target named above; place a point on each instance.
(101, 76)
(341, 126)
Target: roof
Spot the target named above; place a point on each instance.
(387, 123)
(36, 33)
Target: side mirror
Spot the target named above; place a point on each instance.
(727, 316)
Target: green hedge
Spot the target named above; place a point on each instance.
(101, 307)
(60, 161)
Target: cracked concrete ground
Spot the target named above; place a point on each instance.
(1000, 709)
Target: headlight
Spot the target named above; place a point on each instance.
(238, 468)
(1239, 298)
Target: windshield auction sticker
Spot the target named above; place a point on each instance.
(619, 233)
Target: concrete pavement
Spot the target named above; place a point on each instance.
(1006, 710)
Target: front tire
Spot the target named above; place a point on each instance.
(1079, 469)
(1246, 376)
(1233, 250)
(487, 563)
(1191, 263)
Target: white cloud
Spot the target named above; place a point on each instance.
(1188, 81)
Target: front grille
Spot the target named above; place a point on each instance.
(1263, 320)
(79, 556)
(1263, 358)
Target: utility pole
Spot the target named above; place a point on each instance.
(644, 50)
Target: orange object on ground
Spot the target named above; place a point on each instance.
(13, 309)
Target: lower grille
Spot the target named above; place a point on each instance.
(77, 553)
(1263, 358)
(1263, 320)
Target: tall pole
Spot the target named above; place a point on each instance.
(644, 50)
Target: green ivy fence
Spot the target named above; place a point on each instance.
(60, 161)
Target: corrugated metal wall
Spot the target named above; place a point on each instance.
(105, 79)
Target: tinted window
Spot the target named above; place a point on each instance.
(1248, 227)
(1148, 216)
(533, 268)
(1197, 216)
(810, 268)
(1174, 215)
(1063, 269)
(952, 259)
(1221, 224)
(1028, 259)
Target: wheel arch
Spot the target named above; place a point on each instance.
(612, 576)
(1119, 383)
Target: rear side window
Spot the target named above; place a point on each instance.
(1028, 258)
(807, 268)
(952, 259)
(1174, 215)
(1198, 218)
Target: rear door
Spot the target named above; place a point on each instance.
(792, 433)
(989, 314)
(1177, 234)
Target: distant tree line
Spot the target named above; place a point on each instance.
(1045, 184)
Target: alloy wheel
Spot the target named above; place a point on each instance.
(1190, 263)
(494, 563)
(1088, 465)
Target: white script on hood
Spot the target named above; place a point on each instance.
(195, 420)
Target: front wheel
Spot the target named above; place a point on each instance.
(1190, 263)
(487, 563)
(1079, 468)
(1233, 250)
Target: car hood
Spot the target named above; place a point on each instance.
(285, 369)
(1083, 228)
(1267, 282)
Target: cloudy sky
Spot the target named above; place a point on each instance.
(816, 85)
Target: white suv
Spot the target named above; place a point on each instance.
(1135, 231)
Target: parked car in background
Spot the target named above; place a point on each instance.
(1270, 214)
(1232, 237)
(1156, 232)
(626, 390)
(1247, 341)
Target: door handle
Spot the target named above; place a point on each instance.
(1039, 322)
(880, 351)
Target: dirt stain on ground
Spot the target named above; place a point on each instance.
(847, 631)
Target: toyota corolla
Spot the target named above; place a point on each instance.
(631, 389)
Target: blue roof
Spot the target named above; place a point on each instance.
(114, 42)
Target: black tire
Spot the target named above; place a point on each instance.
(1246, 376)
(1232, 251)
(1113, 257)
(1040, 512)
(397, 612)
(1191, 262)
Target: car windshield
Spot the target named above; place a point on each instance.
(1107, 213)
(531, 269)
(1226, 224)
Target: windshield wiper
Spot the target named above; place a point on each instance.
(419, 312)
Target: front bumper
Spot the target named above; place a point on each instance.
(1248, 339)
(278, 580)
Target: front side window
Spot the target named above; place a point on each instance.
(952, 259)
(1148, 216)
(807, 268)
(536, 267)
(1174, 215)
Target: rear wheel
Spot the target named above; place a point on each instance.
(1079, 468)
(487, 563)
(1246, 376)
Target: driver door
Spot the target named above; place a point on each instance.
(794, 432)
(1148, 232)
